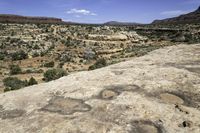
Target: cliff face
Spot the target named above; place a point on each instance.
(193, 17)
(156, 93)
(24, 19)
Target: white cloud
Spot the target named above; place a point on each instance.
(173, 13)
(79, 12)
(77, 16)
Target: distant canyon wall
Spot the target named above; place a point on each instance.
(24, 19)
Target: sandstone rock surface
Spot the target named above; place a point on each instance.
(156, 93)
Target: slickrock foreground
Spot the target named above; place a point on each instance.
(156, 93)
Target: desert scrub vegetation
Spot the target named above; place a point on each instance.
(98, 64)
(142, 50)
(15, 69)
(53, 74)
(32, 81)
(32, 71)
(13, 83)
(20, 55)
(2, 56)
(49, 64)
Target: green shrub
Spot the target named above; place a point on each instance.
(35, 54)
(61, 64)
(28, 71)
(13, 83)
(20, 55)
(15, 69)
(99, 64)
(33, 71)
(54, 74)
(49, 64)
(2, 56)
(39, 71)
(32, 81)
(36, 47)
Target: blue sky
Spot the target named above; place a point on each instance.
(98, 11)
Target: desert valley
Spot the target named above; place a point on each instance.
(115, 77)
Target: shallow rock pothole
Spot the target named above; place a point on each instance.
(113, 91)
(109, 94)
(66, 106)
(146, 127)
(178, 97)
(10, 114)
(190, 99)
(118, 72)
(171, 98)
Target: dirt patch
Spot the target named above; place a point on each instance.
(109, 94)
(9, 114)
(146, 126)
(113, 91)
(179, 97)
(170, 98)
(66, 106)
(190, 99)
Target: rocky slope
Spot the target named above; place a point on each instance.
(156, 93)
(193, 17)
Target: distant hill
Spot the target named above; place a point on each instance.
(8, 18)
(193, 17)
(116, 23)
